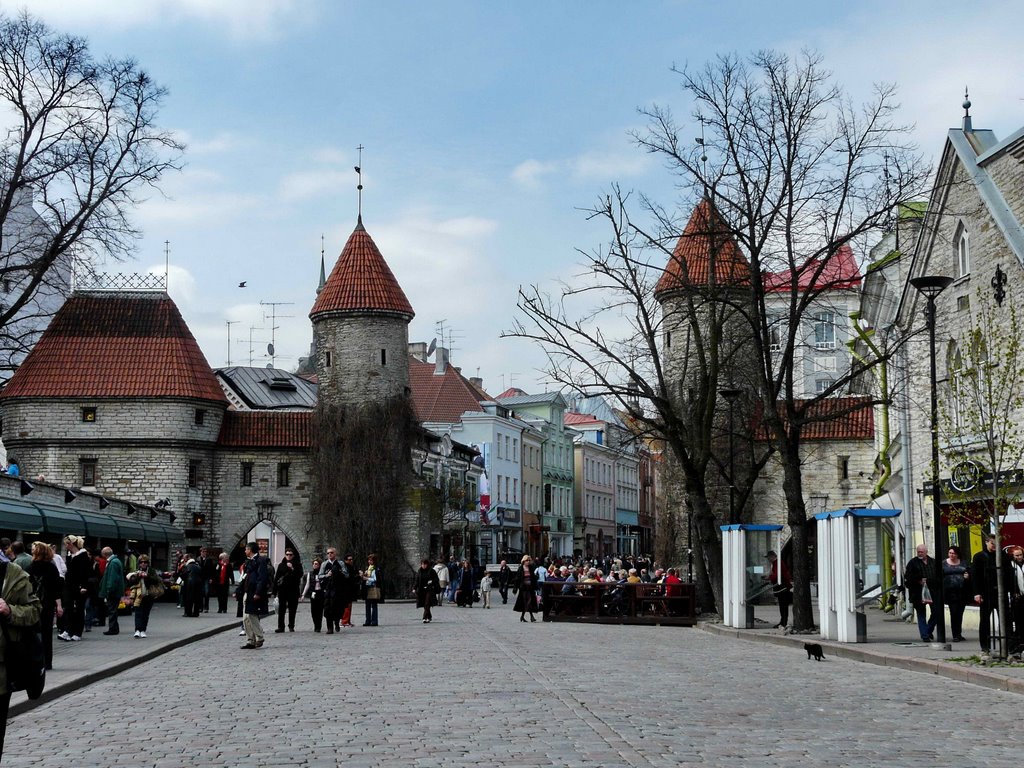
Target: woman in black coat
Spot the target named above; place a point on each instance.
(526, 600)
(428, 587)
(51, 588)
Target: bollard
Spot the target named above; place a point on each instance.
(862, 627)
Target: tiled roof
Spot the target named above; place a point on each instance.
(511, 392)
(362, 281)
(116, 345)
(266, 429)
(571, 418)
(837, 418)
(839, 272)
(706, 235)
(440, 398)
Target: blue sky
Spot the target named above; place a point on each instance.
(488, 127)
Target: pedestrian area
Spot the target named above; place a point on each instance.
(477, 687)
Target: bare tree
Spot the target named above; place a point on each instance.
(800, 175)
(604, 335)
(81, 145)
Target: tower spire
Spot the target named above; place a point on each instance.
(323, 271)
(359, 189)
(967, 112)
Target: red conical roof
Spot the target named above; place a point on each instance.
(116, 346)
(706, 235)
(362, 281)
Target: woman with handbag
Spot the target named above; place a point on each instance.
(147, 586)
(428, 587)
(372, 592)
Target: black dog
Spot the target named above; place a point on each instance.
(814, 649)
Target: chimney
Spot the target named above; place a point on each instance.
(418, 349)
(440, 361)
(476, 381)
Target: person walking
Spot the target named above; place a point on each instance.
(312, 591)
(76, 588)
(147, 586)
(287, 580)
(256, 591)
(49, 587)
(922, 578)
(504, 581)
(465, 585)
(955, 576)
(223, 580)
(111, 590)
(526, 600)
(374, 592)
(485, 590)
(19, 607)
(428, 587)
(441, 569)
(985, 586)
(333, 584)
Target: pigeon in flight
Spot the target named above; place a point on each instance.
(242, 284)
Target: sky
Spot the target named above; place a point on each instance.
(489, 129)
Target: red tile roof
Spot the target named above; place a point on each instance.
(443, 398)
(838, 273)
(511, 392)
(116, 345)
(706, 235)
(266, 429)
(362, 281)
(572, 418)
(837, 418)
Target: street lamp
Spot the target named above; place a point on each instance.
(930, 286)
(731, 395)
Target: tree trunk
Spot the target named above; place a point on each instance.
(708, 549)
(792, 485)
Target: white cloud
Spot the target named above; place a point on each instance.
(602, 166)
(239, 19)
(303, 185)
(181, 284)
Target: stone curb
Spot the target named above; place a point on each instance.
(983, 677)
(88, 678)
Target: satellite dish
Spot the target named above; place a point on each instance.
(270, 349)
(432, 347)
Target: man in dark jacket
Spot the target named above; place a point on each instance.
(504, 579)
(984, 579)
(208, 567)
(257, 588)
(333, 583)
(287, 578)
(923, 571)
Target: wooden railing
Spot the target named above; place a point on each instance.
(619, 603)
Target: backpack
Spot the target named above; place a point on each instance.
(24, 656)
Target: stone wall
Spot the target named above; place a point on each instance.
(356, 373)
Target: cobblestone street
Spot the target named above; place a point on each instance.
(477, 687)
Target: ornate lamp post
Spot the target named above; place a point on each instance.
(731, 395)
(930, 286)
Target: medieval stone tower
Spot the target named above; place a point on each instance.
(361, 327)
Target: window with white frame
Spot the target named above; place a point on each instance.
(825, 330)
(822, 384)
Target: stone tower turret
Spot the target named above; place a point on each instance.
(361, 327)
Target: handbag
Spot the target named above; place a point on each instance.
(926, 595)
(373, 593)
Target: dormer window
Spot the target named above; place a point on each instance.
(963, 252)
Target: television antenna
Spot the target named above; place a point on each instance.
(271, 347)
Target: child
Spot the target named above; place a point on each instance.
(485, 590)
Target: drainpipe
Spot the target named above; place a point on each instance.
(881, 372)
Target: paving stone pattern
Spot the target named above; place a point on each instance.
(479, 688)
